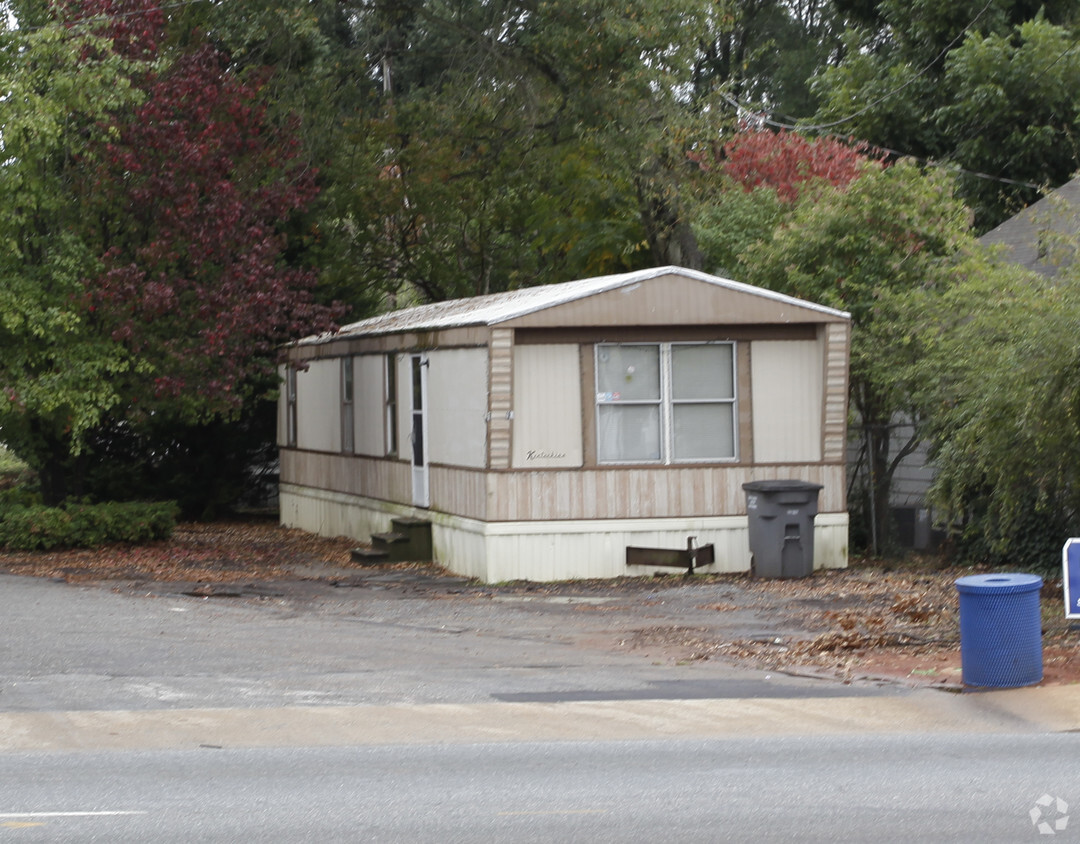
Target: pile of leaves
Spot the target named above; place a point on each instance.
(872, 621)
(215, 552)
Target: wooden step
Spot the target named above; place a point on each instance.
(395, 545)
(419, 533)
(368, 556)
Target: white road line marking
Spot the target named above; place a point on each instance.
(65, 814)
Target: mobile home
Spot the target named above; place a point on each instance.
(544, 431)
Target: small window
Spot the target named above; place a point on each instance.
(347, 415)
(665, 402)
(391, 406)
(290, 407)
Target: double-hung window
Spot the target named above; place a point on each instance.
(665, 402)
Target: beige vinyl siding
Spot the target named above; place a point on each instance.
(403, 363)
(547, 422)
(318, 406)
(671, 300)
(502, 397)
(457, 407)
(389, 480)
(645, 493)
(368, 377)
(786, 378)
(837, 336)
(283, 407)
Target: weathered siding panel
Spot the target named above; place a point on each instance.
(547, 422)
(555, 550)
(457, 407)
(459, 491)
(369, 373)
(646, 493)
(671, 300)
(318, 406)
(786, 383)
(389, 480)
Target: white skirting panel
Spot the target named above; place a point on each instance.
(553, 550)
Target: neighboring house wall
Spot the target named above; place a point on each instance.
(912, 517)
(1041, 238)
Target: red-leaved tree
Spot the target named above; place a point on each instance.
(788, 161)
(184, 197)
(191, 198)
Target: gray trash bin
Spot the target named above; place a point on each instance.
(781, 521)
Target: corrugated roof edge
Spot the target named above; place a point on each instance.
(499, 307)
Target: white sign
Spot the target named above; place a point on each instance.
(1070, 577)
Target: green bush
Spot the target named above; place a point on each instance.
(37, 528)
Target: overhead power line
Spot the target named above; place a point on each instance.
(777, 124)
(926, 69)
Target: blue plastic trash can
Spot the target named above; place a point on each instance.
(1000, 630)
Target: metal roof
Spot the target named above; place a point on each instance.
(500, 307)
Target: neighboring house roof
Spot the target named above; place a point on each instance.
(1041, 237)
(500, 308)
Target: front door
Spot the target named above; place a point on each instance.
(420, 494)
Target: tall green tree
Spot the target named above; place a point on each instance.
(893, 233)
(763, 52)
(149, 283)
(749, 185)
(1000, 390)
(57, 374)
(518, 143)
(984, 85)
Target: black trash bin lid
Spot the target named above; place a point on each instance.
(782, 486)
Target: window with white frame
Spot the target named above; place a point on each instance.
(665, 402)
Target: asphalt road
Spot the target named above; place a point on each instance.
(66, 647)
(394, 712)
(855, 788)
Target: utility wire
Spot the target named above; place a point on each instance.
(912, 81)
(777, 124)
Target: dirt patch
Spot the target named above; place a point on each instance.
(898, 624)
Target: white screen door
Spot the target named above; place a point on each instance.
(420, 493)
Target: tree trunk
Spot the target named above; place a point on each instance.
(671, 239)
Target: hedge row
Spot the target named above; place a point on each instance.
(37, 528)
